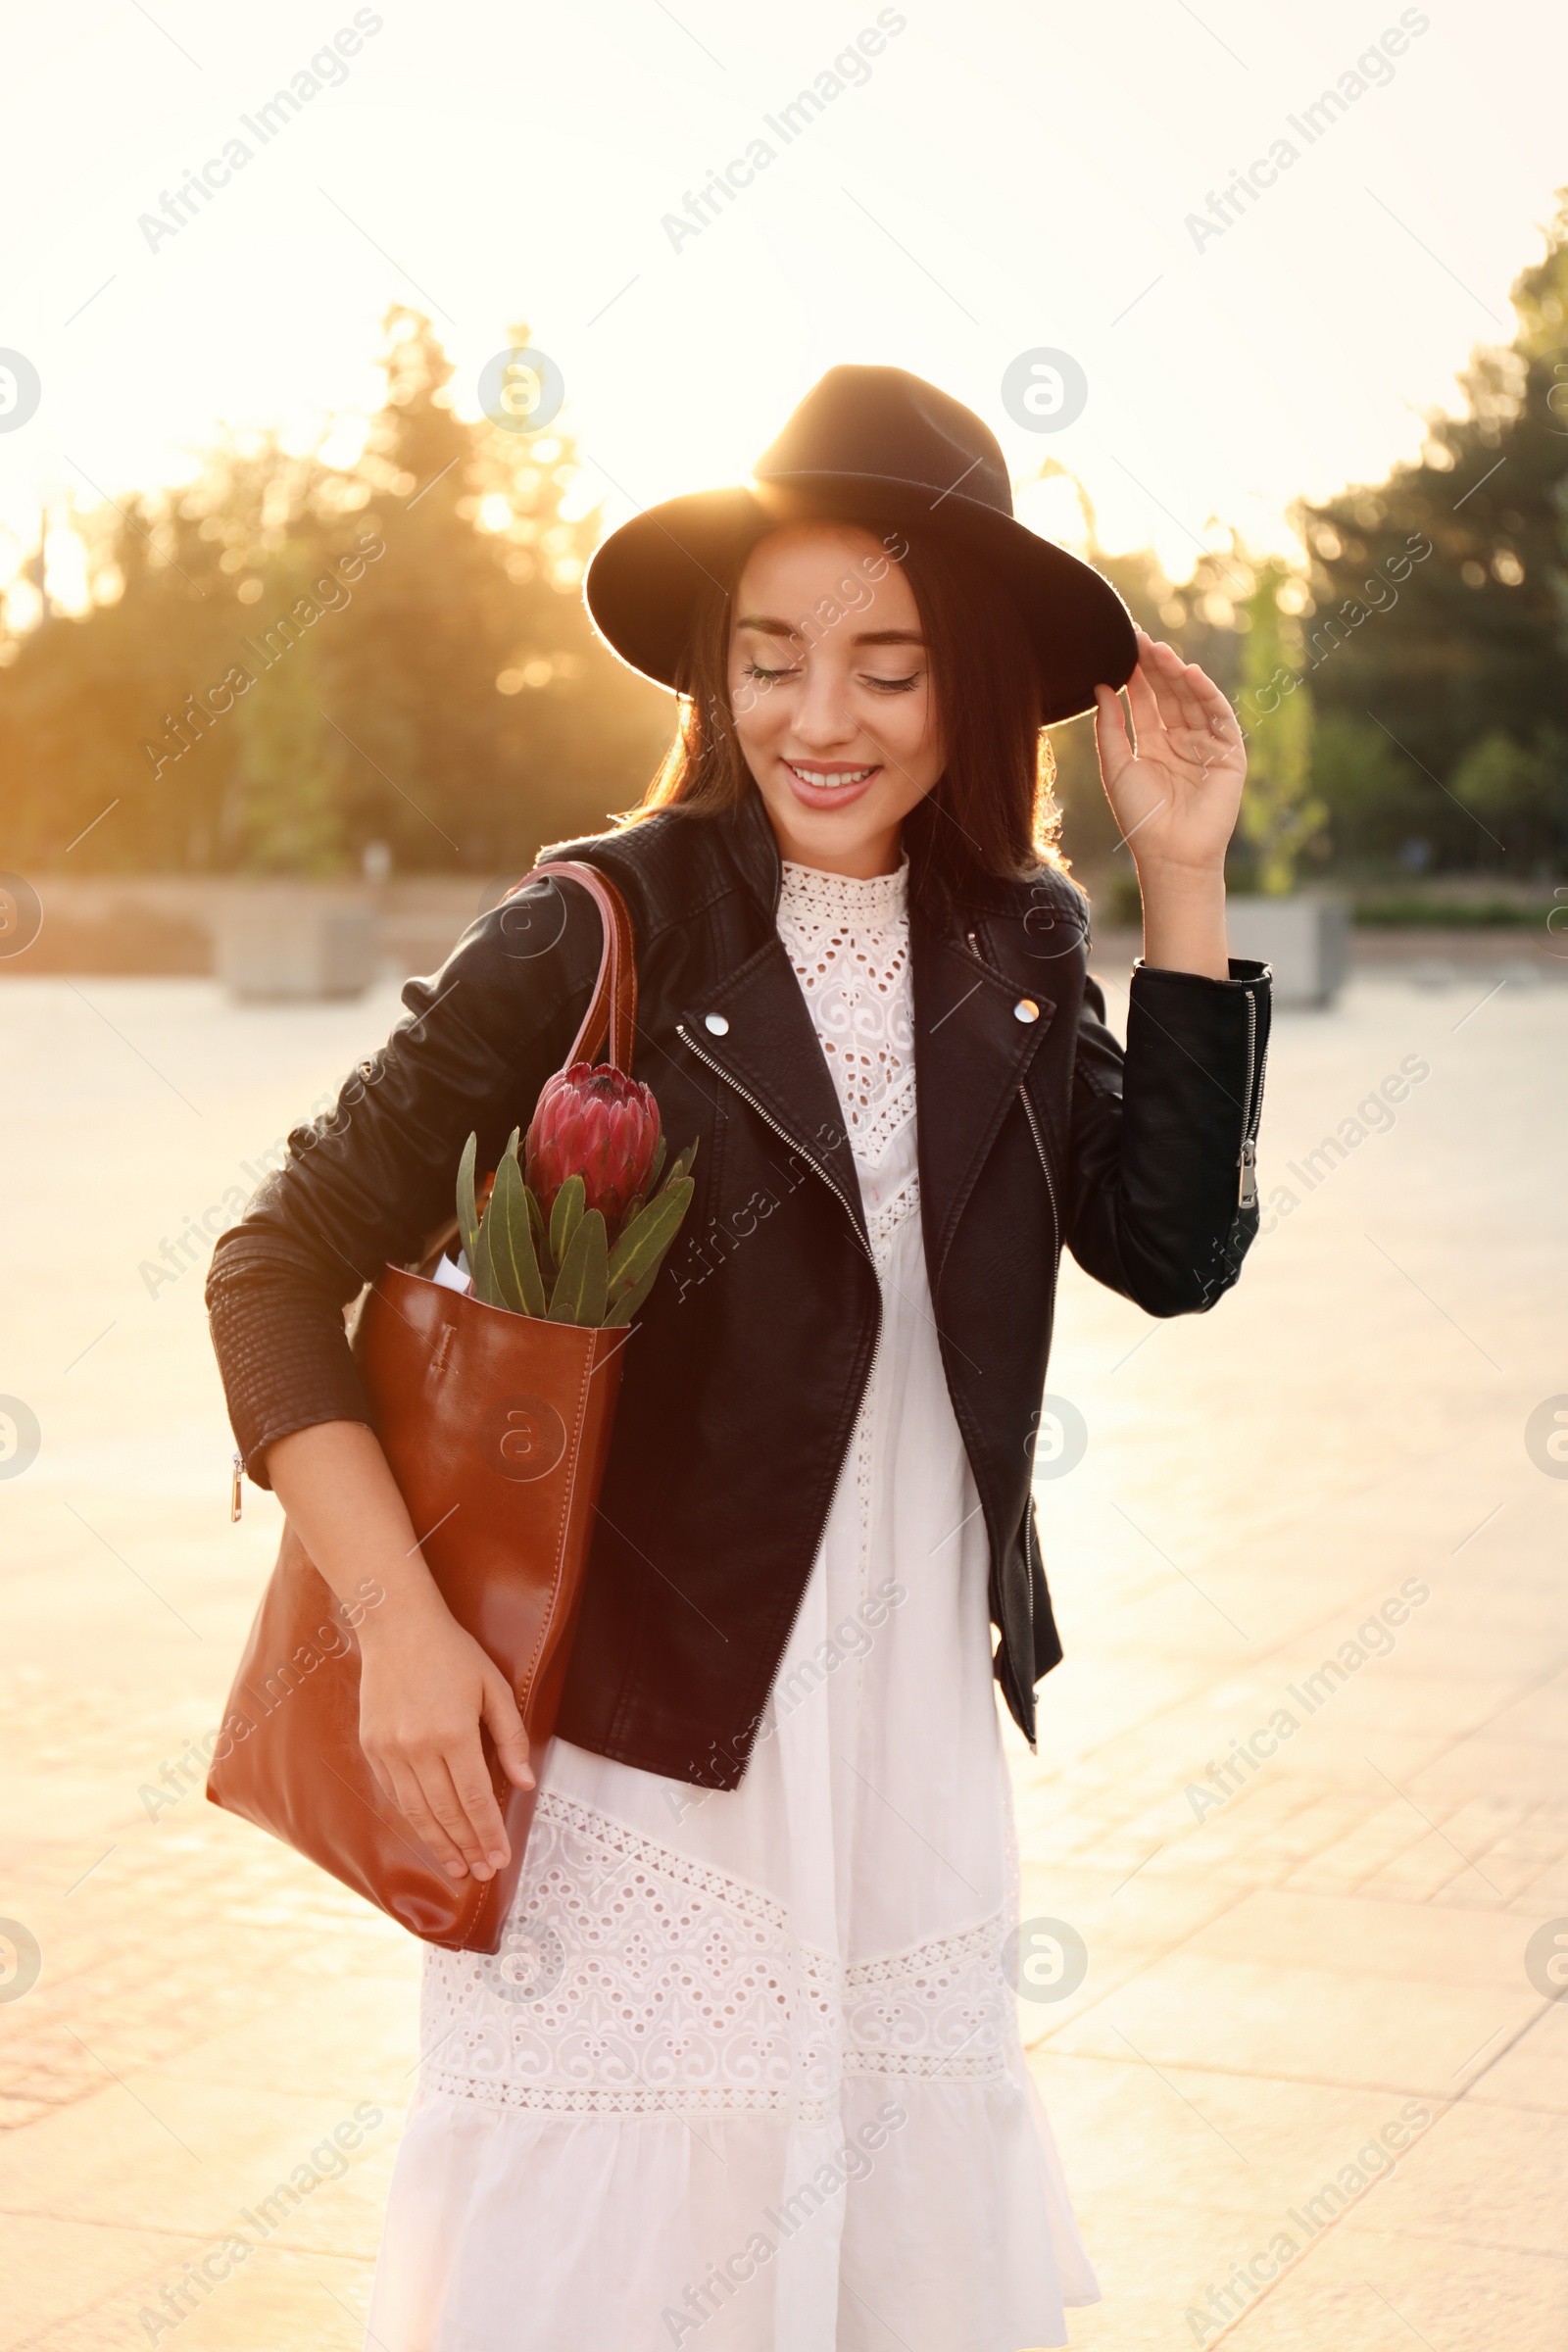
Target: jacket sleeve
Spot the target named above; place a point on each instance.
(373, 1181)
(1158, 1208)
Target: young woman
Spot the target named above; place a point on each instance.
(747, 2073)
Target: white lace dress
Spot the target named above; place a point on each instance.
(747, 2074)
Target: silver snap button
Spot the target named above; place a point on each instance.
(715, 1024)
(1026, 1010)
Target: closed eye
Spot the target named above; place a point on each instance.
(895, 685)
(754, 670)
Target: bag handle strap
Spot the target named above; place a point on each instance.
(612, 1008)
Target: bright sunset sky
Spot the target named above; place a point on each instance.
(998, 180)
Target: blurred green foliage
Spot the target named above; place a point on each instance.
(1279, 814)
(263, 694)
(1428, 633)
(1450, 704)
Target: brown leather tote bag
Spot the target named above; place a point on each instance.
(497, 1427)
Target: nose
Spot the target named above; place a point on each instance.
(824, 721)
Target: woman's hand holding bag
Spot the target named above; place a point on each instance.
(381, 1723)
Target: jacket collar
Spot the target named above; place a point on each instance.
(754, 847)
(753, 1028)
(976, 1032)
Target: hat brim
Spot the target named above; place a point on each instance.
(643, 582)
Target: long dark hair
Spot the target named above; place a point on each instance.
(992, 813)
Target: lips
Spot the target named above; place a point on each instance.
(830, 778)
(821, 786)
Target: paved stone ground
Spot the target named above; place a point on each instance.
(1308, 2039)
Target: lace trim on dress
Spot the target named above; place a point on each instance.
(870, 898)
(642, 1853)
(933, 2010)
(633, 1981)
(848, 939)
(883, 1220)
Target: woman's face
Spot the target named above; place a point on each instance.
(830, 686)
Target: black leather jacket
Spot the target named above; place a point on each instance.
(743, 1382)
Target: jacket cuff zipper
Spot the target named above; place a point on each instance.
(1253, 1101)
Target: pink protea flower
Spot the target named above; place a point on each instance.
(595, 1122)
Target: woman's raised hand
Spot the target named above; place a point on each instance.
(1176, 797)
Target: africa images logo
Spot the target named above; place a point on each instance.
(1373, 70)
(326, 70)
(849, 70)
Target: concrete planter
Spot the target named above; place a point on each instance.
(291, 944)
(1306, 941)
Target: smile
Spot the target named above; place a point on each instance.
(829, 779)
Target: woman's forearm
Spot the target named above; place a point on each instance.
(1184, 919)
(336, 1486)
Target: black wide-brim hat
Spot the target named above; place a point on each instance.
(867, 445)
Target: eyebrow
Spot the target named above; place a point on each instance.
(767, 624)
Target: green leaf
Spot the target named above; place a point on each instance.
(579, 1294)
(510, 1243)
(467, 1205)
(632, 1298)
(642, 1245)
(564, 1216)
(658, 1163)
(636, 1210)
(683, 1165)
(485, 1286)
(537, 1219)
(512, 1140)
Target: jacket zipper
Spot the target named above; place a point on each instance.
(718, 1070)
(745, 1095)
(1055, 1218)
(1044, 1162)
(1026, 1698)
(1246, 1161)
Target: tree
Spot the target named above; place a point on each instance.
(1377, 802)
(1280, 815)
(1520, 786)
(283, 814)
(1442, 602)
(290, 657)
